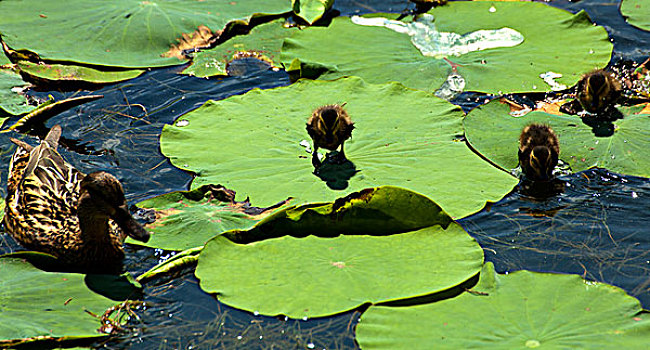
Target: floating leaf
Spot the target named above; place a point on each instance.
(316, 276)
(494, 133)
(66, 73)
(515, 311)
(187, 219)
(379, 210)
(637, 13)
(402, 137)
(567, 44)
(265, 40)
(26, 313)
(311, 10)
(130, 33)
(10, 101)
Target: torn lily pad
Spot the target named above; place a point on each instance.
(187, 219)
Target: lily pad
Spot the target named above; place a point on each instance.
(317, 276)
(494, 133)
(402, 137)
(311, 10)
(129, 33)
(382, 210)
(265, 40)
(637, 13)
(520, 310)
(61, 72)
(10, 101)
(554, 40)
(26, 313)
(187, 219)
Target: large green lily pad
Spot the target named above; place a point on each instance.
(402, 137)
(11, 102)
(494, 133)
(516, 311)
(264, 40)
(187, 219)
(38, 303)
(637, 13)
(318, 276)
(129, 33)
(554, 40)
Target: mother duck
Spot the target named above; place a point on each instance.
(54, 208)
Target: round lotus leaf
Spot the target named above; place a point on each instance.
(187, 219)
(494, 133)
(314, 276)
(127, 33)
(515, 311)
(257, 144)
(10, 101)
(264, 41)
(35, 303)
(485, 49)
(637, 13)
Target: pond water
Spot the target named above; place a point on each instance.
(595, 227)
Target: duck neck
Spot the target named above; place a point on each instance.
(93, 223)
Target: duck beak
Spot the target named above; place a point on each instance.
(129, 226)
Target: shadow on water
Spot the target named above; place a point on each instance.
(335, 173)
(596, 228)
(178, 315)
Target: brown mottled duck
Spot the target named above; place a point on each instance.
(538, 152)
(597, 91)
(329, 126)
(54, 208)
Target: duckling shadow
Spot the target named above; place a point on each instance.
(541, 190)
(603, 126)
(336, 171)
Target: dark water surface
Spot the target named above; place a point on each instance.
(598, 227)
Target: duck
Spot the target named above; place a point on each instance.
(329, 127)
(597, 91)
(539, 149)
(51, 207)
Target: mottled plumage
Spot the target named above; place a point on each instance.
(329, 126)
(538, 151)
(598, 90)
(52, 207)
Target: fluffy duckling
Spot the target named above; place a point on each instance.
(54, 208)
(329, 126)
(538, 152)
(598, 90)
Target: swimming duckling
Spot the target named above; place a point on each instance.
(329, 126)
(54, 208)
(598, 90)
(538, 152)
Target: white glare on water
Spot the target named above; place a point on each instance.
(433, 43)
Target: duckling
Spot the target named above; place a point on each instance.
(329, 126)
(54, 208)
(538, 152)
(597, 91)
